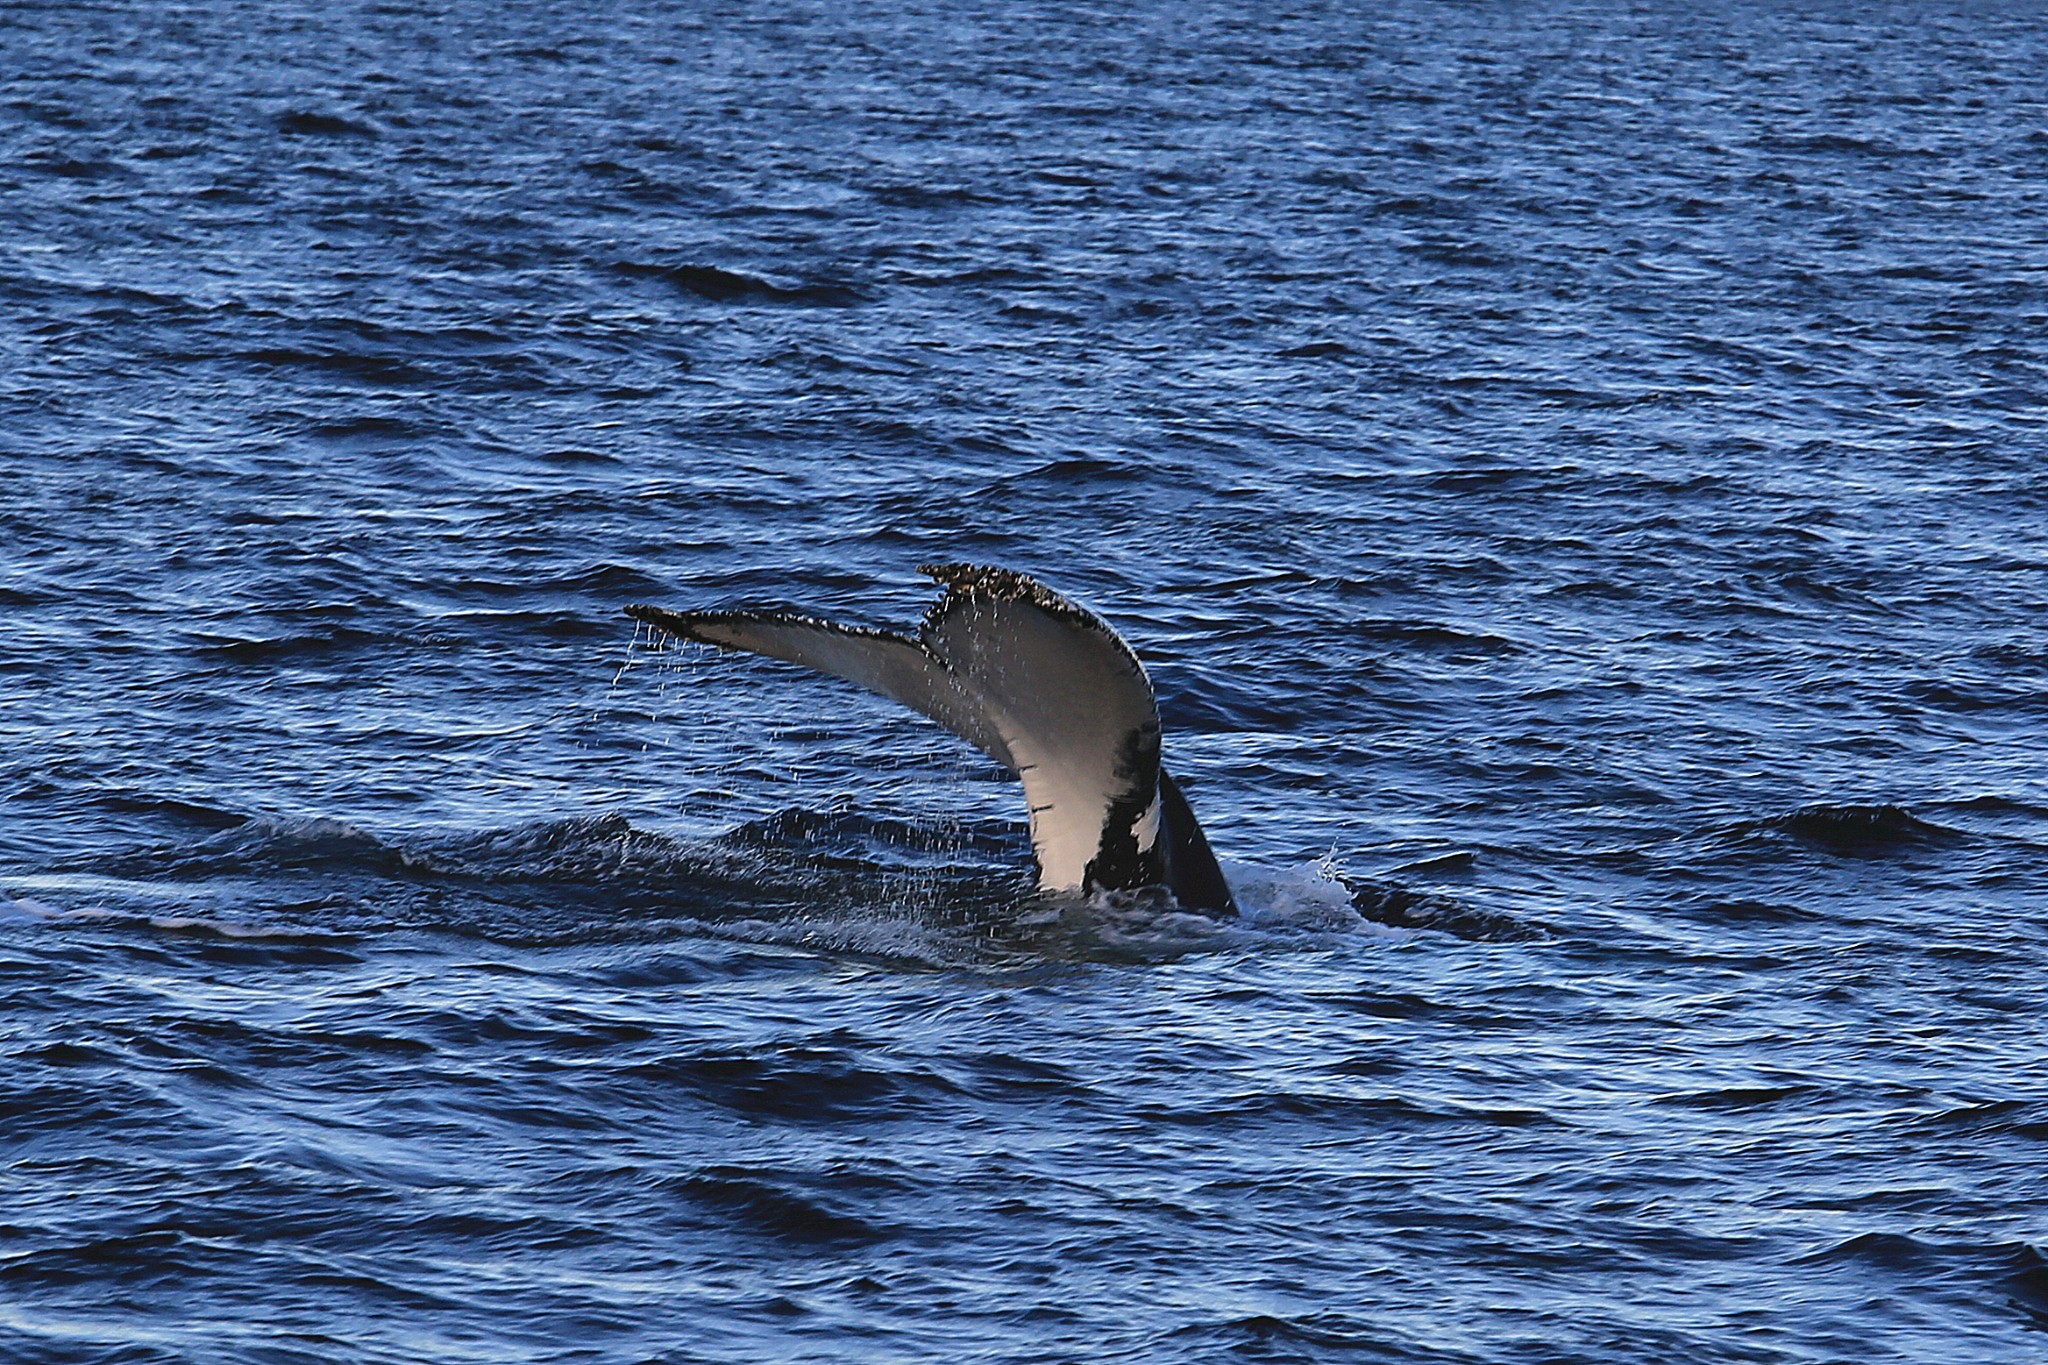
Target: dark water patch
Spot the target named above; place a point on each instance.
(1858, 830)
(1985, 1119)
(381, 371)
(532, 627)
(15, 596)
(1430, 635)
(1074, 470)
(1409, 1006)
(32, 1109)
(67, 1054)
(369, 427)
(718, 285)
(1761, 912)
(220, 944)
(763, 1202)
(88, 168)
(929, 196)
(1002, 1075)
(796, 1084)
(1743, 1098)
(1312, 1336)
(310, 123)
(1974, 695)
(1453, 864)
(1316, 350)
(2028, 1283)
(1838, 144)
(134, 1261)
(239, 1050)
(197, 814)
(1987, 1275)
(1404, 908)
(338, 639)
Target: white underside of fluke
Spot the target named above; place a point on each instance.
(1036, 682)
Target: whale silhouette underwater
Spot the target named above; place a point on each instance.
(1038, 683)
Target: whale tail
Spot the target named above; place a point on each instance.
(1041, 685)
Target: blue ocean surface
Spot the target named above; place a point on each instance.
(1577, 469)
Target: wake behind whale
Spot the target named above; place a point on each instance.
(1041, 685)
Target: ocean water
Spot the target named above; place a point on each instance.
(1578, 468)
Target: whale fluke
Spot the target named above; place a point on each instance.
(1041, 685)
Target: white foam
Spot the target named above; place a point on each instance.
(1309, 897)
